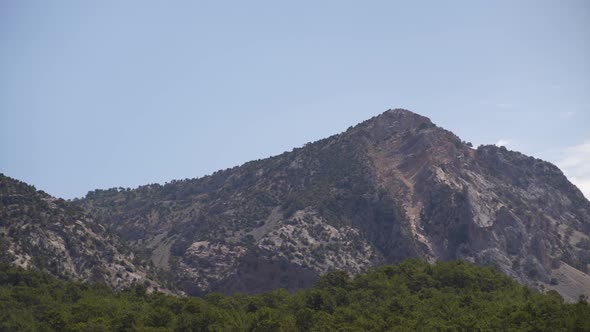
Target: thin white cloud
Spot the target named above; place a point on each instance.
(567, 114)
(505, 105)
(575, 163)
(503, 142)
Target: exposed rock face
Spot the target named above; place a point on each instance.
(309, 241)
(37, 230)
(207, 262)
(392, 187)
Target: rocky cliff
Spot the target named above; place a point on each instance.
(43, 232)
(392, 187)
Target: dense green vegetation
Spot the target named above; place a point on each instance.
(447, 296)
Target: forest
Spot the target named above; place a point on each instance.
(410, 296)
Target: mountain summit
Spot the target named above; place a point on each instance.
(392, 187)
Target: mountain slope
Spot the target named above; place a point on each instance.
(392, 187)
(40, 231)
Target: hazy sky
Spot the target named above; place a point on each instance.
(123, 93)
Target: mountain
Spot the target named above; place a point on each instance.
(47, 233)
(390, 188)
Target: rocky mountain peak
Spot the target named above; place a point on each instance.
(395, 121)
(392, 187)
(401, 114)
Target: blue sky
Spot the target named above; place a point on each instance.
(123, 93)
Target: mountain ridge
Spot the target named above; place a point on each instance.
(393, 187)
(47, 233)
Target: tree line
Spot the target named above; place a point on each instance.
(411, 296)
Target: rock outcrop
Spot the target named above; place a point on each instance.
(43, 232)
